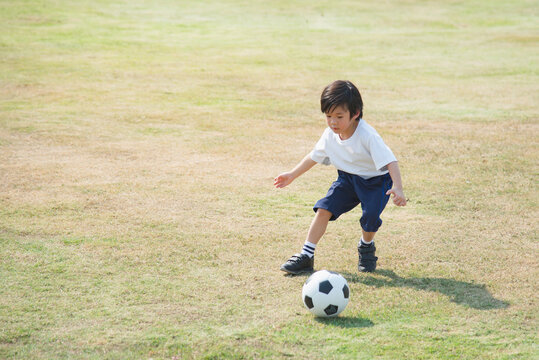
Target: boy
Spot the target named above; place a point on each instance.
(368, 174)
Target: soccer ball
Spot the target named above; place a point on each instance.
(325, 293)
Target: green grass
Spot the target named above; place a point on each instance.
(139, 141)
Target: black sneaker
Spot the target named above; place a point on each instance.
(367, 260)
(298, 263)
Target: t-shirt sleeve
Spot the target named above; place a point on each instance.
(380, 152)
(319, 154)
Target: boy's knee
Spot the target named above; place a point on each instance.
(324, 213)
(370, 221)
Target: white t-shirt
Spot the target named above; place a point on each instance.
(364, 153)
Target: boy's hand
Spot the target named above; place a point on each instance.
(398, 196)
(283, 180)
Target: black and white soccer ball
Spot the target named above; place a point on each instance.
(326, 293)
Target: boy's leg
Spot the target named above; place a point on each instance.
(368, 236)
(339, 199)
(304, 262)
(366, 248)
(373, 201)
(318, 226)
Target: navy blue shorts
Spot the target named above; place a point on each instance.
(349, 190)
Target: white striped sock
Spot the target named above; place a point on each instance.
(308, 248)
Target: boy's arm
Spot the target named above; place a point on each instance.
(286, 178)
(398, 194)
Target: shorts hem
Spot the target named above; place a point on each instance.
(333, 217)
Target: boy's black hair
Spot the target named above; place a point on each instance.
(342, 93)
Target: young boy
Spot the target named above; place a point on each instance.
(368, 174)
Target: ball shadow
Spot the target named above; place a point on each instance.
(346, 322)
(475, 296)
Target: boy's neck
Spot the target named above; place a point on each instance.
(347, 134)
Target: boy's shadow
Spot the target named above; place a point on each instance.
(460, 292)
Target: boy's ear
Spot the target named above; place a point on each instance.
(355, 116)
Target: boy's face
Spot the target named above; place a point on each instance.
(340, 121)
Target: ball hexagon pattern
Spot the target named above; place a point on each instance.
(326, 293)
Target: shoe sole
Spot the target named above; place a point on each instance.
(305, 271)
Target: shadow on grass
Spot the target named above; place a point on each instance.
(305, 275)
(460, 292)
(346, 322)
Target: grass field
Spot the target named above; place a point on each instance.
(138, 145)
